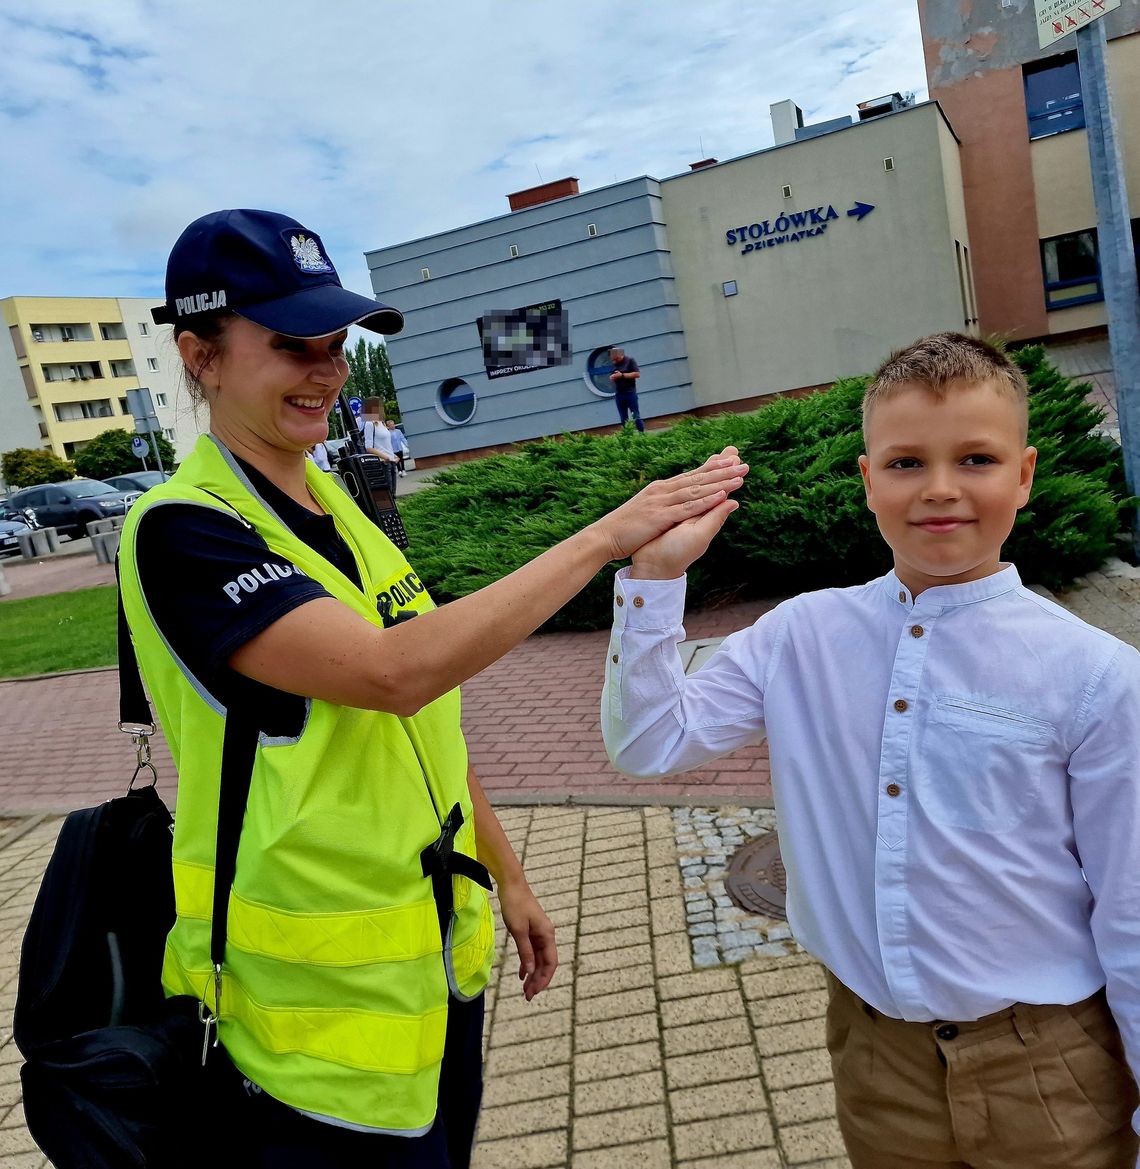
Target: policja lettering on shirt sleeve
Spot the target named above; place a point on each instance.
(250, 582)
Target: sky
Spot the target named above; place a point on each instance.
(375, 122)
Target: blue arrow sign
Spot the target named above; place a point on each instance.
(860, 210)
(139, 447)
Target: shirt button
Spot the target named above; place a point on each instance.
(900, 704)
(638, 602)
(902, 597)
(947, 1031)
(916, 631)
(620, 601)
(893, 789)
(614, 659)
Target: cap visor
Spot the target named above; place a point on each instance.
(321, 310)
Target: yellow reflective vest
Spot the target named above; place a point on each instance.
(336, 979)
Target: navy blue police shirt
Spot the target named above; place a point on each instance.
(212, 584)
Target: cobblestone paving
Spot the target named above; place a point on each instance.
(720, 931)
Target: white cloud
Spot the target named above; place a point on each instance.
(377, 122)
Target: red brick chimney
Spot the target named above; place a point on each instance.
(533, 196)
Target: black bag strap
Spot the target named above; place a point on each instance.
(239, 746)
(134, 710)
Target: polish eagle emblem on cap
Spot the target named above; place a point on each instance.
(307, 254)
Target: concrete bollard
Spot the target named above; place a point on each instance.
(5, 587)
(52, 537)
(106, 544)
(110, 524)
(35, 543)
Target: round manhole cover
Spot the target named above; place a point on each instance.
(756, 880)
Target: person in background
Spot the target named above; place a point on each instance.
(349, 1004)
(399, 445)
(377, 440)
(624, 377)
(319, 453)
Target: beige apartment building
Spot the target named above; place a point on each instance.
(1018, 111)
(74, 359)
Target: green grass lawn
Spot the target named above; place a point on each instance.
(66, 631)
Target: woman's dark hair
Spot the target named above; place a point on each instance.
(210, 329)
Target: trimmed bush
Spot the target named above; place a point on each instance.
(803, 522)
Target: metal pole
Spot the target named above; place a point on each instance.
(1114, 244)
(157, 453)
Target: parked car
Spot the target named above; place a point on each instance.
(13, 522)
(137, 480)
(69, 507)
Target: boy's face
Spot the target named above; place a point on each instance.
(945, 480)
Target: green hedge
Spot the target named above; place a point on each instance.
(803, 523)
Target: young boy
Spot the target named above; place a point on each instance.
(954, 762)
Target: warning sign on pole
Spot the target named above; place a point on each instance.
(1058, 18)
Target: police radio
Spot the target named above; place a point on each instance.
(367, 479)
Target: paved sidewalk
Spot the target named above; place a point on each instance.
(633, 1057)
(654, 1047)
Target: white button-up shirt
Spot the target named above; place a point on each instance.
(955, 777)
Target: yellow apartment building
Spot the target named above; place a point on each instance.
(75, 358)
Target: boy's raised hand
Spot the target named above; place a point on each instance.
(671, 504)
(669, 555)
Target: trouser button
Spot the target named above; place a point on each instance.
(947, 1031)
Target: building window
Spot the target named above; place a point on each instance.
(456, 404)
(425, 273)
(152, 363)
(598, 370)
(113, 331)
(591, 229)
(144, 329)
(123, 407)
(514, 251)
(1072, 269)
(729, 288)
(160, 399)
(169, 435)
(1053, 96)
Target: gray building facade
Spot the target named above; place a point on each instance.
(603, 253)
(773, 272)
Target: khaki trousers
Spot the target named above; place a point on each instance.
(1030, 1087)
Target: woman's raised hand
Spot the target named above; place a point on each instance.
(665, 503)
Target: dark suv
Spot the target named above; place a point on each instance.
(69, 507)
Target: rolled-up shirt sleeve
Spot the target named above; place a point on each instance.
(1104, 775)
(655, 719)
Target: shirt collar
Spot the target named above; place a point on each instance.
(994, 585)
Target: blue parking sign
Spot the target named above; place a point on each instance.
(139, 447)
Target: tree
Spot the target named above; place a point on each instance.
(110, 454)
(25, 466)
(371, 375)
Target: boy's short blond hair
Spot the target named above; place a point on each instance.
(936, 363)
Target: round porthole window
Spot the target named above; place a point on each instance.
(598, 370)
(456, 401)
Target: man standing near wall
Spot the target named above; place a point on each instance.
(625, 375)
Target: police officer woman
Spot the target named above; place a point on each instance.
(351, 992)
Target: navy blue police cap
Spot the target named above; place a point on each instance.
(269, 269)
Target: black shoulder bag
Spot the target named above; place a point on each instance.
(119, 1076)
